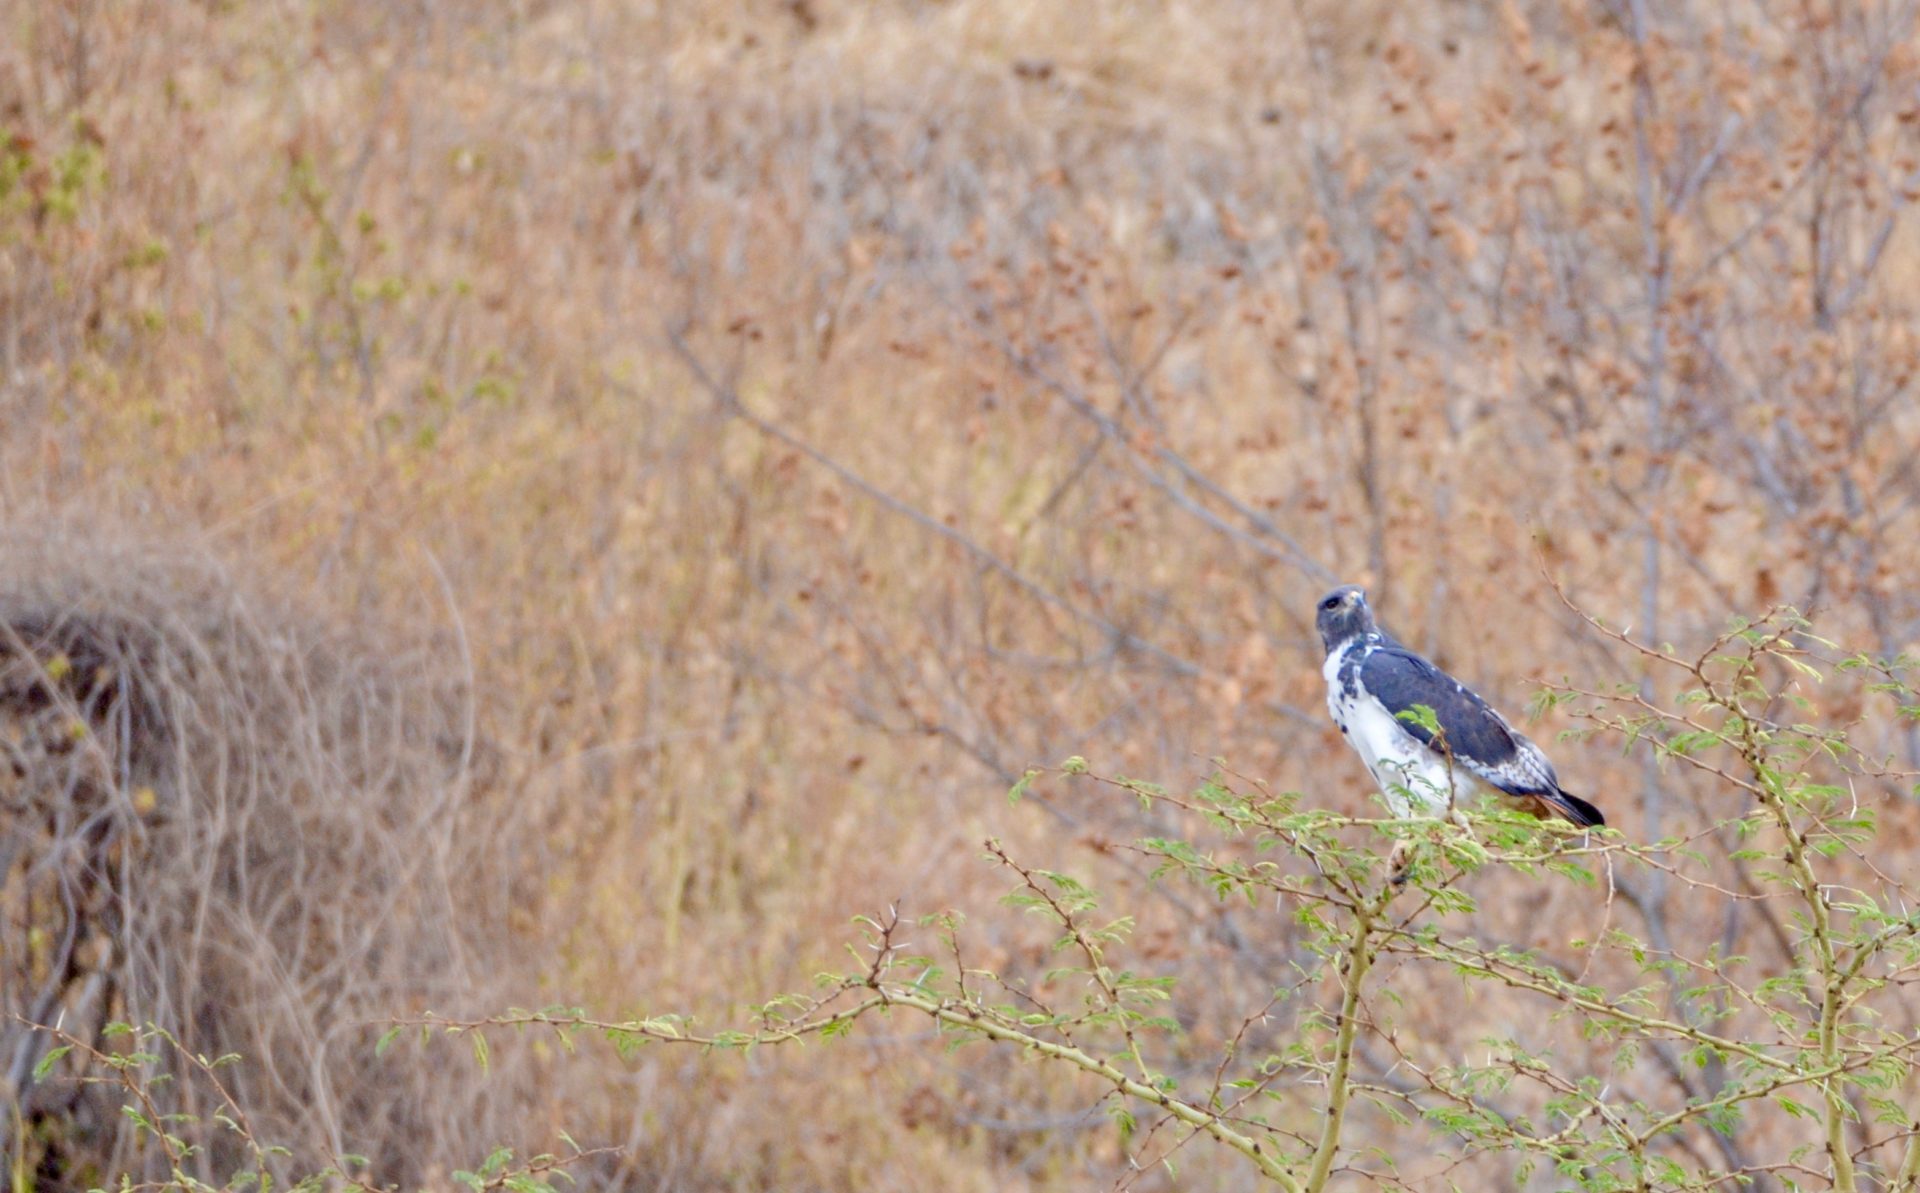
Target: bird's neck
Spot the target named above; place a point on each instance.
(1355, 642)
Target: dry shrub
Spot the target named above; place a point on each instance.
(229, 818)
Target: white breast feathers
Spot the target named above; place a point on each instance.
(1414, 778)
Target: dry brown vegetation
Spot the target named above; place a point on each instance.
(230, 819)
(781, 424)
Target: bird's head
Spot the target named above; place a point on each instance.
(1343, 615)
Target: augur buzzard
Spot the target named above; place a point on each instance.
(1372, 679)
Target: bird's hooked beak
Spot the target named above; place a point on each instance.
(1344, 599)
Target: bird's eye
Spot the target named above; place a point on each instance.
(1330, 603)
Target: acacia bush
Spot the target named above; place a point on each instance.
(1619, 1063)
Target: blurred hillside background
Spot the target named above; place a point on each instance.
(765, 429)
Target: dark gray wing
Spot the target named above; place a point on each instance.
(1479, 738)
(1476, 735)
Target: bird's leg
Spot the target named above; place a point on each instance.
(1458, 817)
(1400, 861)
(1454, 812)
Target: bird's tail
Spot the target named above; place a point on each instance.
(1575, 809)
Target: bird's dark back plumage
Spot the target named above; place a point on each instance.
(1401, 679)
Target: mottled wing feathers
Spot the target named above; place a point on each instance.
(1478, 738)
(1401, 681)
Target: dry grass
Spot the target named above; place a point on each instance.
(231, 819)
(811, 415)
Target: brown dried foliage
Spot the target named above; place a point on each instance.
(229, 818)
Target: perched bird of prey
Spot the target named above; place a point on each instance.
(1371, 680)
